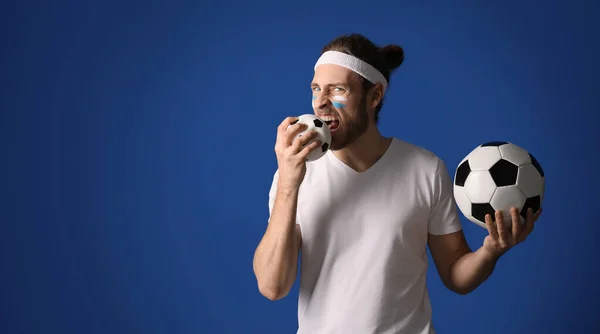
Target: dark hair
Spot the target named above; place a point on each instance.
(385, 59)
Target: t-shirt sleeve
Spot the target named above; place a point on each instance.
(443, 218)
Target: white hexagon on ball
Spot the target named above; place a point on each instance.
(504, 199)
(482, 158)
(515, 154)
(480, 187)
(530, 181)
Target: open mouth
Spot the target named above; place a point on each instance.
(333, 125)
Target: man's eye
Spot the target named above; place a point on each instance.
(338, 89)
(316, 89)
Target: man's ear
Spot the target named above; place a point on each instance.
(376, 95)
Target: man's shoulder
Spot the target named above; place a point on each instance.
(417, 155)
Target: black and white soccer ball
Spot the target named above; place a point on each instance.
(314, 123)
(498, 176)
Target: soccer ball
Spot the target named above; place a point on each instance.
(498, 176)
(323, 134)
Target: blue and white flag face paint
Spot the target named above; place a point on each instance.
(337, 101)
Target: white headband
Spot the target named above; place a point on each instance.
(352, 63)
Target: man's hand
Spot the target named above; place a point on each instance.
(291, 154)
(502, 238)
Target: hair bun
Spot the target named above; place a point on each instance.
(393, 56)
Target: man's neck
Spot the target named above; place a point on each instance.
(365, 151)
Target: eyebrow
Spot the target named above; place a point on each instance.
(330, 84)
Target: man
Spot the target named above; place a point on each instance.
(365, 212)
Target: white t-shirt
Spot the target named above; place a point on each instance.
(364, 238)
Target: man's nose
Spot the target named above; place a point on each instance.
(320, 101)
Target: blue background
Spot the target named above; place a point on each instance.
(137, 137)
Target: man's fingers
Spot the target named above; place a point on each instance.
(537, 215)
(502, 230)
(282, 141)
(301, 141)
(282, 129)
(308, 148)
(288, 136)
(287, 122)
(491, 227)
(528, 225)
(516, 223)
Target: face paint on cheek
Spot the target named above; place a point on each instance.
(313, 101)
(336, 104)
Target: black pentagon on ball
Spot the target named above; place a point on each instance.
(325, 147)
(494, 143)
(479, 210)
(533, 203)
(462, 172)
(318, 123)
(504, 173)
(536, 164)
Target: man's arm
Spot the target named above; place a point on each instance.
(463, 270)
(276, 257)
(460, 269)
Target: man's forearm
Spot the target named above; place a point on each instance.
(471, 270)
(276, 257)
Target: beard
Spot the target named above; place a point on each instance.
(353, 127)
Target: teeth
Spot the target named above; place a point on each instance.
(328, 118)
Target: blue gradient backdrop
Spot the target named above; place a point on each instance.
(136, 140)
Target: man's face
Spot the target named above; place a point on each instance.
(339, 100)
